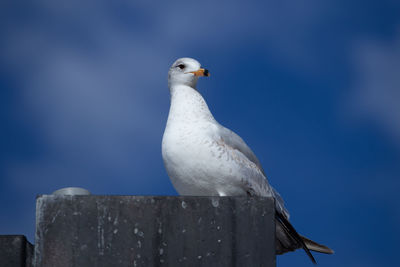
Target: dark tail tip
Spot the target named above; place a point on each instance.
(293, 233)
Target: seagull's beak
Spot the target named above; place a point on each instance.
(200, 72)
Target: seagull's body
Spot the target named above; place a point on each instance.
(203, 158)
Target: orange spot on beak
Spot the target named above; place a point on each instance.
(201, 72)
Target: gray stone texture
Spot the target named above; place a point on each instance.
(15, 251)
(154, 231)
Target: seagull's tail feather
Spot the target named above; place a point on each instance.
(288, 239)
(314, 246)
(292, 233)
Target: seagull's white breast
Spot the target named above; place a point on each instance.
(195, 158)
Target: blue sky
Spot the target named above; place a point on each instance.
(312, 86)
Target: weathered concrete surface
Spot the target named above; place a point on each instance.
(15, 251)
(154, 231)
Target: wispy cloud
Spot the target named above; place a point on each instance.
(93, 73)
(376, 93)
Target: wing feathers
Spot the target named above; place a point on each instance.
(235, 141)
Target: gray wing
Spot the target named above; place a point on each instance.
(236, 142)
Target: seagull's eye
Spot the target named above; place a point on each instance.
(181, 66)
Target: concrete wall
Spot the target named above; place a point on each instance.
(153, 231)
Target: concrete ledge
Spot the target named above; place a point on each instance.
(15, 251)
(154, 231)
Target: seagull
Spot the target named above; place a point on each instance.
(203, 158)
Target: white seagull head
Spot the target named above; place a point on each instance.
(185, 71)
